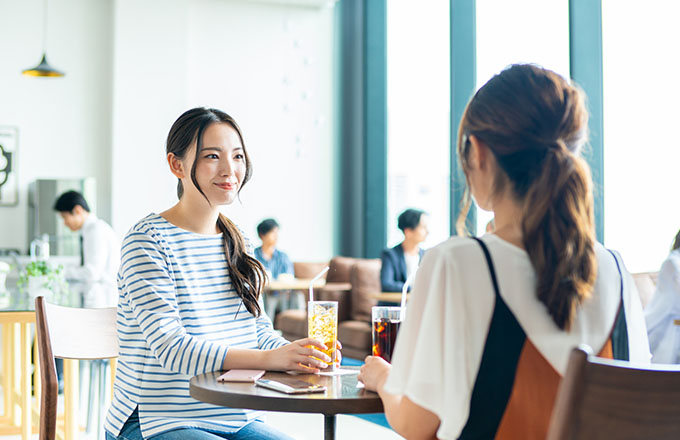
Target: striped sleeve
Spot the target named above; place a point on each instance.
(267, 337)
(149, 291)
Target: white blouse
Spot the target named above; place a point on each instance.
(442, 339)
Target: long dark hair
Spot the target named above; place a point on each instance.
(535, 122)
(246, 273)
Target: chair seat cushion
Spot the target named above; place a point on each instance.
(355, 334)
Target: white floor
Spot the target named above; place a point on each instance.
(302, 427)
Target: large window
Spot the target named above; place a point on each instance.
(520, 31)
(640, 43)
(418, 103)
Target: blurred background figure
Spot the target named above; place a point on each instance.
(278, 266)
(274, 261)
(401, 261)
(99, 251)
(663, 312)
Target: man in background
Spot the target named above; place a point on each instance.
(276, 263)
(100, 251)
(401, 261)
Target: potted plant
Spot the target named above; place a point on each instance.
(40, 278)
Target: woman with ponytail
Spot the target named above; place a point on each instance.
(492, 320)
(189, 298)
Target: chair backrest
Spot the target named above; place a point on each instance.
(68, 333)
(306, 270)
(646, 285)
(340, 268)
(365, 279)
(600, 398)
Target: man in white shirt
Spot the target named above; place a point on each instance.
(100, 251)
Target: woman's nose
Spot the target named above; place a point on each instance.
(227, 168)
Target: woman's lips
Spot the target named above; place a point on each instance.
(226, 186)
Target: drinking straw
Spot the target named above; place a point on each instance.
(311, 283)
(404, 289)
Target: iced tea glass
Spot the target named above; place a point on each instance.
(386, 322)
(322, 318)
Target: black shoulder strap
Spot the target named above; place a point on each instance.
(496, 375)
(492, 271)
(619, 335)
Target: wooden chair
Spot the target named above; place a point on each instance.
(605, 399)
(68, 333)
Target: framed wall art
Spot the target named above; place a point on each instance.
(9, 143)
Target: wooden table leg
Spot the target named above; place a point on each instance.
(70, 399)
(25, 385)
(329, 426)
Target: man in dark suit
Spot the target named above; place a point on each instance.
(399, 262)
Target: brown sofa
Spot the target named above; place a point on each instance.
(352, 282)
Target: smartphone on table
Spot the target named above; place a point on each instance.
(241, 376)
(290, 386)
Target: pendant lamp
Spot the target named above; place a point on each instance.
(43, 68)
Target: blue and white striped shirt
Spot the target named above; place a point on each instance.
(178, 315)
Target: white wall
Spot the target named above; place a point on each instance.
(641, 146)
(134, 66)
(269, 66)
(64, 123)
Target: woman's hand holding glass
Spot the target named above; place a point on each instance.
(374, 373)
(303, 355)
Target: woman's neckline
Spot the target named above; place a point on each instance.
(506, 243)
(186, 230)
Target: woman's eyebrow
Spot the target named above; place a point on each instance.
(220, 149)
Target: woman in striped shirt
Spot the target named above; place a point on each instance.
(188, 303)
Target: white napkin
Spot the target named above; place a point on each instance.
(338, 372)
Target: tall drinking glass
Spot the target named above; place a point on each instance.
(322, 318)
(386, 322)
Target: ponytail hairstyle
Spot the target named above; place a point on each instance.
(246, 273)
(535, 122)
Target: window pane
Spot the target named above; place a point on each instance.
(520, 31)
(418, 115)
(641, 147)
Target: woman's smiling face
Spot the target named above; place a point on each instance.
(220, 165)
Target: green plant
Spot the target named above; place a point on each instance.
(54, 276)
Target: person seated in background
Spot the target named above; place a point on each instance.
(663, 311)
(401, 261)
(100, 251)
(492, 320)
(274, 261)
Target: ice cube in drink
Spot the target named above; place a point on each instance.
(322, 319)
(386, 322)
(384, 337)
